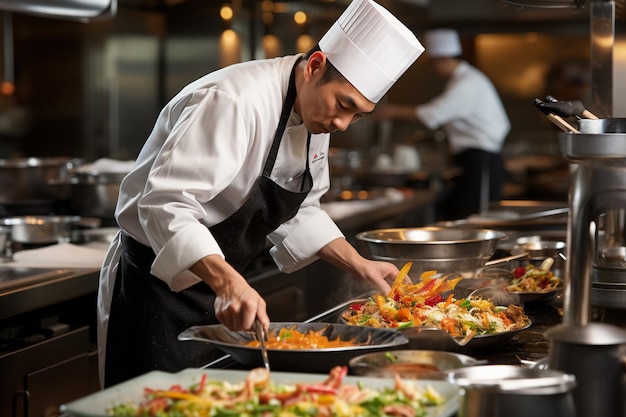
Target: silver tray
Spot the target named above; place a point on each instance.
(303, 360)
(96, 405)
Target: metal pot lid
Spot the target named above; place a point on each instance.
(513, 378)
(597, 334)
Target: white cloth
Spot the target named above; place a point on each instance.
(206, 151)
(470, 111)
(61, 255)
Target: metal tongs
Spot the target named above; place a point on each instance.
(557, 111)
(260, 334)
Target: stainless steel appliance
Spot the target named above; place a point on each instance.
(594, 352)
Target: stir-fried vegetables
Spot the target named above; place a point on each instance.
(530, 278)
(293, 339)
(257, 395)
(422, 304)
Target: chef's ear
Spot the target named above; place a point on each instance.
(315, 65)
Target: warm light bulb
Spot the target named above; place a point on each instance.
(226, 12)
(300, 17)
(7, 88)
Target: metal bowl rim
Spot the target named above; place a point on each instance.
(489, 234)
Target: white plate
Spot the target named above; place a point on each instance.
(96, 405)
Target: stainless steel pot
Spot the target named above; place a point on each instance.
(90, 194)
(45, 229)
(596, 354)
(434, 248)
(27, 178)
(514, 391)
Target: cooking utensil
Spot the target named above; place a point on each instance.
(260, 335)
(45, 229)
(596, 354)
(515, 391)
(26, 179)
(427, 337)
(442, 249)
(415, 364)
(555, 118)
(133, 390)
(572, 108)
(366, 339)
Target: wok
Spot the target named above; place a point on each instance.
(302, 360)
(441, 249)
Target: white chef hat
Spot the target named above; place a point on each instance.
(370, 48)
(443, 43)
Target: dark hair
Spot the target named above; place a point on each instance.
(331, 73)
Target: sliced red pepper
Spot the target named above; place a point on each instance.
(433, 300)
(356, 306)
(318, 389)
(519, 271)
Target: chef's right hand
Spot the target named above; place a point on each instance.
(237, 304)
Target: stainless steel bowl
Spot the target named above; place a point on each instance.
(413, 364)
(433, 248)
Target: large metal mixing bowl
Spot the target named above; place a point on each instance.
(433, 248)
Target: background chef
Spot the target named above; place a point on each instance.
(236, 159)
(473, 117)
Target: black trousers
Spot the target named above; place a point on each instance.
(480, 183)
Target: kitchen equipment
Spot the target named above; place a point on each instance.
(555, 118)
(597, 198)
(260, 335)
(413, 364)
(92, 194)
(514, 391)
(5, 252)
(45, 229)
(596, 353)
(303, 360)
(133, 390)
(442, 249)
(26, 179)
(425, 337)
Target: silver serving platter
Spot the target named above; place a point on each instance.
(302, 360)
(132, 391)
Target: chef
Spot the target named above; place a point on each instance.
(236, 161)
(473, 117)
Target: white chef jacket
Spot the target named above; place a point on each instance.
(470, 111)
(207, 149)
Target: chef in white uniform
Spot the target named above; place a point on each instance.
(237, 159)
(473, 117)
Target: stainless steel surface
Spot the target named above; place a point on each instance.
(601, 126)
(304, 360)
(24, 179)
(44, 229)
(383, 364)
(602, 24)
(514, 391)
(597, 187)
(80, 10)
(260, 335)
(596, 354)
(433, 248)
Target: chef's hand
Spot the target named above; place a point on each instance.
(343, 255)
(237, 304)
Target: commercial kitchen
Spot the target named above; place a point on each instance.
(82, 85)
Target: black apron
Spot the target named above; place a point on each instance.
(146, 316)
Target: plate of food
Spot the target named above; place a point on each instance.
(300, 347)
(217, 392)
(525, 284)
(430, 306)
